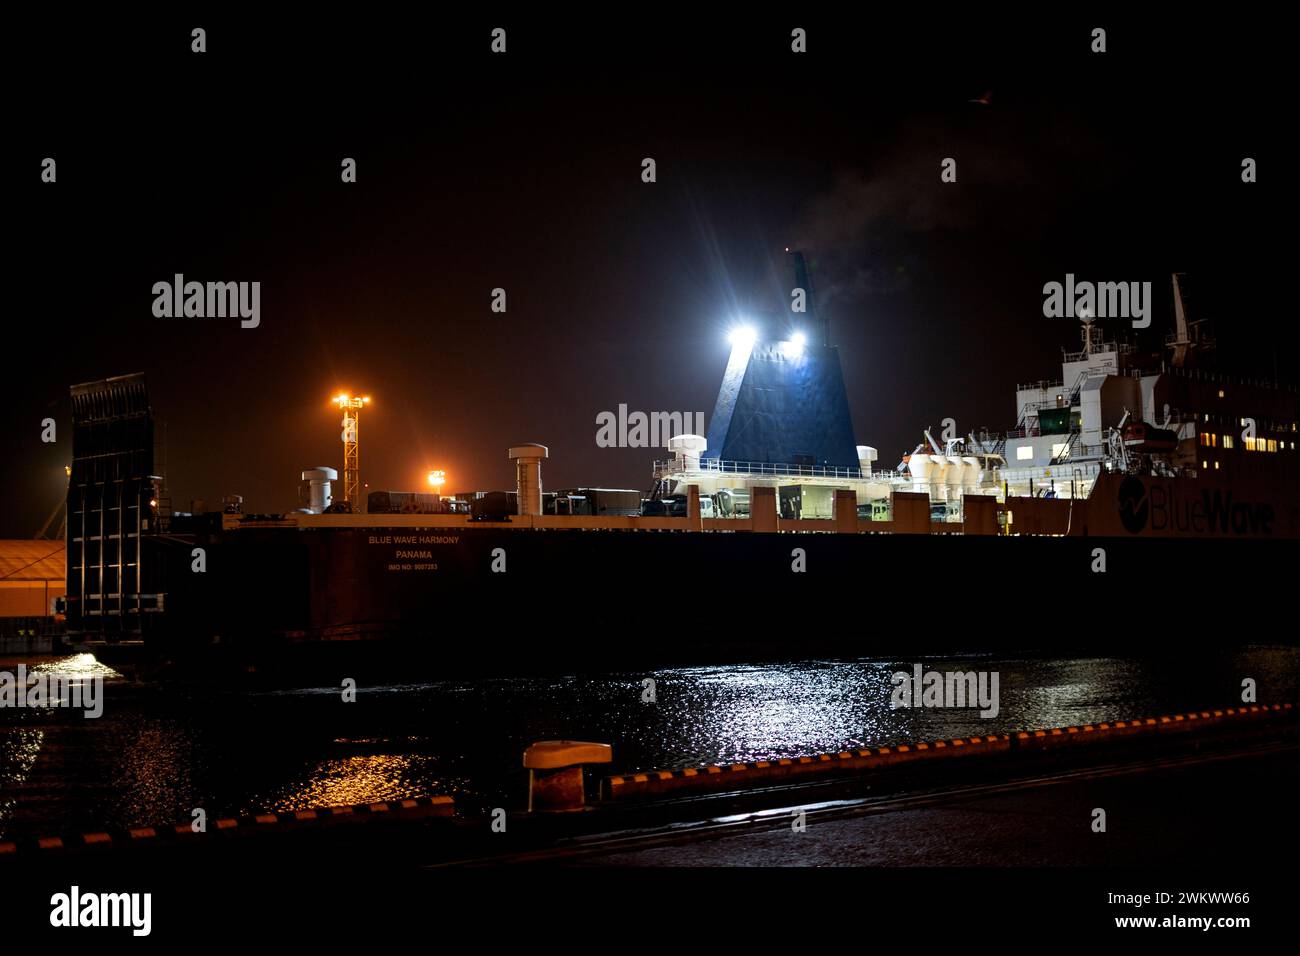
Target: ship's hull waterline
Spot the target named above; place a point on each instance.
(507, 596)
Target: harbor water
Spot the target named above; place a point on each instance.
(159, 751)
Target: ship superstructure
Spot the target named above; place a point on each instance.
(1113, 411)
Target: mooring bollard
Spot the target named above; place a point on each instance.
(555, 773)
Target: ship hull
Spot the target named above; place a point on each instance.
(498, 599)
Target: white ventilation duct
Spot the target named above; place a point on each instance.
(866, 455)
(687, 450)
(528, 476)
(319, 481)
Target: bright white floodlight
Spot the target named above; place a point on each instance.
(743, 336)
(793, 347)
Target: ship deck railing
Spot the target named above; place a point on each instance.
(1099, 348)
(717, 466)
(1079, 452)
(1040, 386)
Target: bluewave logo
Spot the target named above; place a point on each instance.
(1134, 509)
(1163, 509)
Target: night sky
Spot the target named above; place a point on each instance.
(522, 171)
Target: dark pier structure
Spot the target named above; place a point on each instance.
(115, 571)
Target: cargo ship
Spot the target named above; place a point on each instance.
(1138, 482)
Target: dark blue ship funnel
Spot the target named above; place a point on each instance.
(816, 325)
(782, 400)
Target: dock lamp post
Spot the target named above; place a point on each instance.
(351, 448)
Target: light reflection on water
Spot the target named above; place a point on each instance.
(74, 666)
(19, 749)
(159, 752)
(358, 779)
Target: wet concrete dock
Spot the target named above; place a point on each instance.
(1192, 811)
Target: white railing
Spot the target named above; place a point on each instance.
(718, 466)
(1098, 348)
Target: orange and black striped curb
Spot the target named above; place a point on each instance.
(761, 773)
(250, 824)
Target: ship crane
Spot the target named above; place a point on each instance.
(1187, 337)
